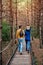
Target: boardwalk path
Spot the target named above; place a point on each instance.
(24, 59)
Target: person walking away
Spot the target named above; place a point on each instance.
(27, 38)
(20, 36)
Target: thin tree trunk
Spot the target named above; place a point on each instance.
(11, 19)
(0, 31)
(16, 14)
(41, 23)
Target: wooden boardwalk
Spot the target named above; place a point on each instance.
(24, 59)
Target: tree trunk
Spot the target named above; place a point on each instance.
(0, 31)
(11, 19)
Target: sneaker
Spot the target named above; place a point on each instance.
(28, 51)
(20, 53)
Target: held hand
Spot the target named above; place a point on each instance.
(16, 41)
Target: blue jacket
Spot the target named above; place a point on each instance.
(27, 35)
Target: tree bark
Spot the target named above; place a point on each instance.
(0, 31)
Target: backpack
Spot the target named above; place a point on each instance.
(21, 33)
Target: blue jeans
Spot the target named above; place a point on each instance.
(27, 45)
(20, 45)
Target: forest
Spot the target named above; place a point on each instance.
(16, 12)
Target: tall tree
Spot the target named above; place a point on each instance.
(0, 31)
(41, 22)
(11, 19)
(27, 13)
(16, 14)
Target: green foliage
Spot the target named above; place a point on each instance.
(5, 31)
(20, 0)
(34, 32)
(35, 61)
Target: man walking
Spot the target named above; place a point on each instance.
(27, 38)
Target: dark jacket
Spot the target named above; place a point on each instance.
(27, 35)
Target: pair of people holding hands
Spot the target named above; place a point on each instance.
(20, 35)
